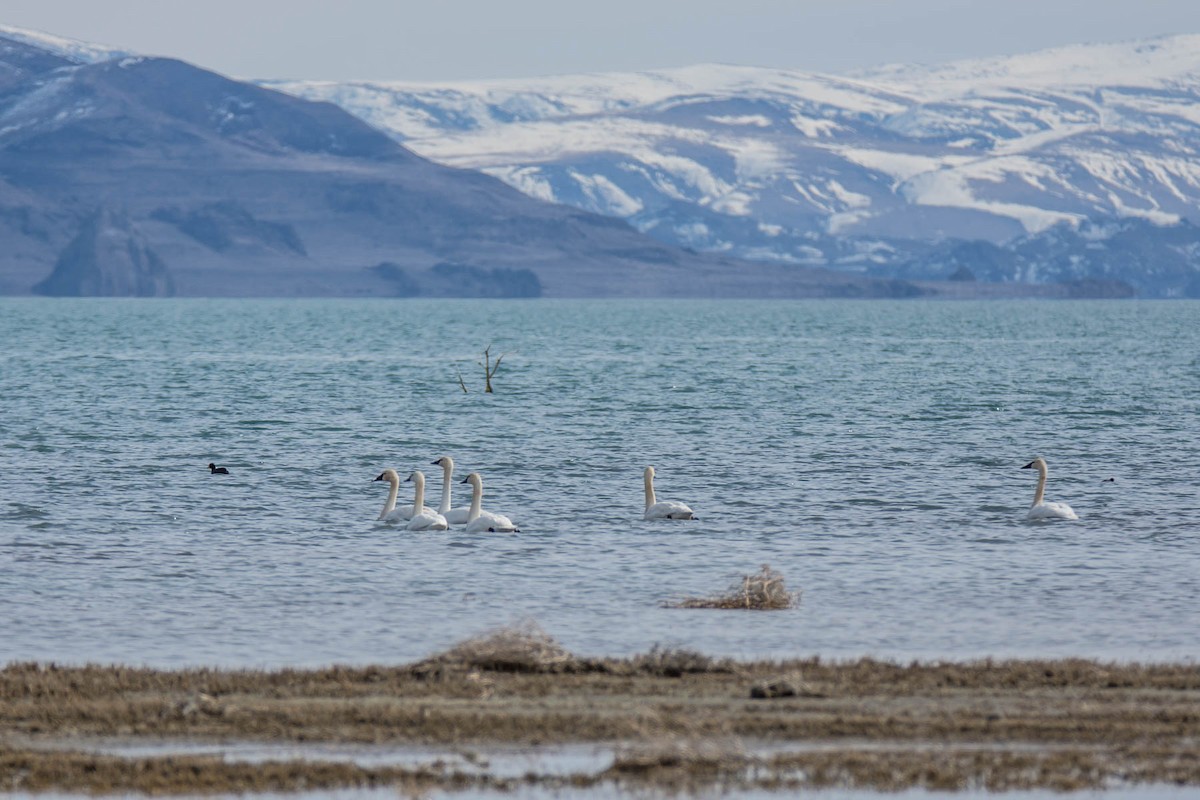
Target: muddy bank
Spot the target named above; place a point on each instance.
(665, 719)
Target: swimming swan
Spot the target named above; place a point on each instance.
(1040, 508)
(479, 520)
(664, 509)
(455, 516)
(390, 512)
(427, 520)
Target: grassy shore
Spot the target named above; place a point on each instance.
(673, 719)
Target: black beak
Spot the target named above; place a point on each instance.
(1028, 466)
(437, 463)
(465, 480)
(408, 479)
(380, 478)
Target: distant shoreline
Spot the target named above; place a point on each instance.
(925, 290)
(673, 720)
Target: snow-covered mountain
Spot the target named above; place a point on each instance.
(1076, 165)
(131, 175)
(856, 170)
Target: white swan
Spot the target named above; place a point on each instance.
(392, 513)
(481, 521)
(427, 520)
(1040, 508)
(455, 516)
(663, 509)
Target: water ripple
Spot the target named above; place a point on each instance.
(869, 451)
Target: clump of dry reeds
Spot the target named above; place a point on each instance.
(676, 662)
(763, 591)
(524, 647)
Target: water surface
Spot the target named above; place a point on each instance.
(869, 451)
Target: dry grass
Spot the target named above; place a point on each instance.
(523, 648)
(675, 766)
(675, 663)
(762, 591)
(675, 716)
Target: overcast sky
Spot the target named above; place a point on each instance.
(455, 39)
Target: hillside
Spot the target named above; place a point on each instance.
(128, 175)
(861, 172)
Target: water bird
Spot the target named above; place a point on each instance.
(480, 521)
(390, 512)
(663, 509)
(1040, 508)
(427, 520)
(455, 516)
(213, 469)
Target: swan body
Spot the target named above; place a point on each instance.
(427, 520)
(455, 516)
(480, 521)
(1041, 509)
(391, 512)
(663, 509)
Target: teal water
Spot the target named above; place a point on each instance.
(868, 451)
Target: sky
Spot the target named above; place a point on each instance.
(474, 39)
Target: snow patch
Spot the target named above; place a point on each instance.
(753, 120)
(608, 198)
(843, 221)
(528, 180)
(899, 166)
(848, 198)
(815, 128)
(70, 49)
(1155, 215)
(949, 188)
(734, 204)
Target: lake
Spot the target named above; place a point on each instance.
(869, 451)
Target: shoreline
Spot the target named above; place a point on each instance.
(674, 720)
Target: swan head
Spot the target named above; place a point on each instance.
(389, 475)
(1037, 463)
(445, 462)
(416, 477)
(475, 479)
(649, 473)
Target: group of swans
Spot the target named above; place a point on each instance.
(420, 517)
(1040, 510)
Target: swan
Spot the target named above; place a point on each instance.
(663, 509)
(427, 520)
(390, 512)
(479, 520)
(1040, 508)
(455, 516)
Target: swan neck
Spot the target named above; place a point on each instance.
(476, 501)
(1041, 487)
(390, 505)
(446, 489)
(418, 497)
(649, 490)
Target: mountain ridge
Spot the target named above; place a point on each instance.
(746, 181)
(853, 172)
(150, 176)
